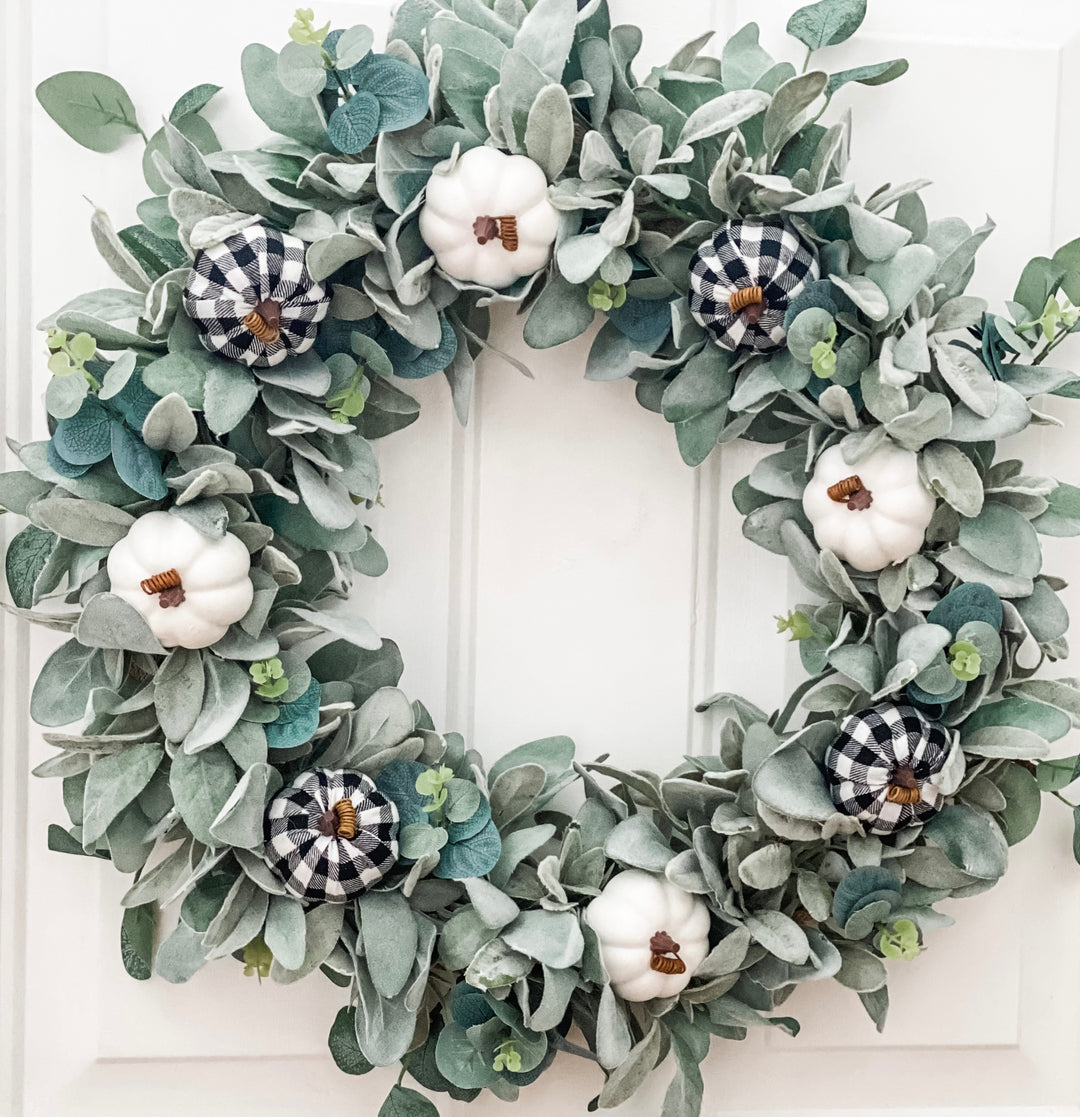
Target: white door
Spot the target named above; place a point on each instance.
(555, 568)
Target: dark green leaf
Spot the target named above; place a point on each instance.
(137, 941)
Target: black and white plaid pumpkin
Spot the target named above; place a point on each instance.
(330, 835)
(880, 767)
(744, 276)
(253, 298)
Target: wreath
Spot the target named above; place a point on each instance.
(231, 736)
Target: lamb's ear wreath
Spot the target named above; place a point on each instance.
(235, 741)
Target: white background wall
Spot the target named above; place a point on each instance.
(554, 568)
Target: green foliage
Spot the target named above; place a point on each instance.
(473, 954)
(94, 109)
(269, 677)
(899, 940)
(257, 959)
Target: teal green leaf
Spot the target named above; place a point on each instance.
(354, 124)
(878, 73)
(827, 23)
(26, 558)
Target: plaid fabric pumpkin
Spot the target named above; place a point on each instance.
(330, 835)
(879, 767)
(744, 276)
(253, 298)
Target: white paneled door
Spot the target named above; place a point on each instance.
(554, 568)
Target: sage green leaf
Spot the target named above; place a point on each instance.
(560, 313)
(493, 906)
(864, 293)
(19, 489)
(549, 133)
(281, 111)
(970, 838)
(815, 894)
(300, 69)
(1005, 742)
(1004, 539)
(178, 692)
(785, 114)
(201, 784)
(1023, 802)
(497, 966)
(791, 784)
(960, 561)
(94, 109)
(876, 237)
(285, 931)
(515, 848)
(860, 970)
(180, 956)
(625, 1079)
(240, 821)
(901, 276)
(1044, 613)
(113, 782)
(322, 929)
(227, 689)
(514, 790)
(546, 35)
(768, 866)
(1011, 414)
(390, 939)
(780, 935)
(108, 621)
(743, 61)
(82, 521)
(170, 424)
(239, 920)
(637, 843)
(551, 937)
(968, 377)
(64, 683)
(827, 23)
(230, 392)
(722, 114)
(947, 471)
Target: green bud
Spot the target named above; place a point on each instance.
(823, 355)
(965, 661)
(797, 623)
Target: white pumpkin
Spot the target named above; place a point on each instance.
(652, 934)
(488, 220)
(187, 586)
(871, 515)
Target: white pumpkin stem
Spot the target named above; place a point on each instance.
(662, 945)
(852, 492)
(503, 229)
(167, 586)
